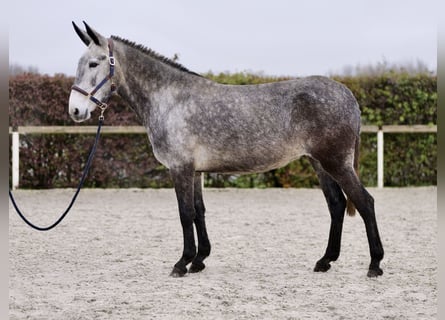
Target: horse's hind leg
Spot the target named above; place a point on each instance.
(346, 177)
(183, 179)
(337, 205)
(201, 230)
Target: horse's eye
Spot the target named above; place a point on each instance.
(93, 64)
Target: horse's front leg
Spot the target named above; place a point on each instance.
(183, 178)
(201, 230)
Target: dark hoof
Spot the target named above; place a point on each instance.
(322, 266)
(177, 272)
(375, 272)
(197, 267)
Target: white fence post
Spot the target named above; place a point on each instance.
(15, 160)
(380, 169)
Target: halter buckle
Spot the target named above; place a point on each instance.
(111, 61)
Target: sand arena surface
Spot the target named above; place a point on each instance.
(111, 257)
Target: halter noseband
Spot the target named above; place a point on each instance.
(102, 105)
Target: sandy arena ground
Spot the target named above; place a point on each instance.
(111, 257)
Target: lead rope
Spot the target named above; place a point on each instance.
(82, 180)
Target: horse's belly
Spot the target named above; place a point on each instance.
(245, 161)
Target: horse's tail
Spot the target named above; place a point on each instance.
(350, 208)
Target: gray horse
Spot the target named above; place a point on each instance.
(196, 125)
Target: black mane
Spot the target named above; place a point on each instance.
(154, 54)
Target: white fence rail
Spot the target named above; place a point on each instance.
(139, 130)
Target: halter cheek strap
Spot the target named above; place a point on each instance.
(101, 104)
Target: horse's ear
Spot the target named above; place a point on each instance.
(82, 35)
(93, 34)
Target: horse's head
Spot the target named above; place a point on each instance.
(93, 84)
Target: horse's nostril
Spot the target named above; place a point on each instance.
(76, 112)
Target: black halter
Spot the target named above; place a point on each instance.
(101, 104)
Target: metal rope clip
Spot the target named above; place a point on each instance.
(102, 107)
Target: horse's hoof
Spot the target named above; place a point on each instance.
(177, 272)
(375, 272)
(197, 267)
(322, 266)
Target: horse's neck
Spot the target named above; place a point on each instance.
(141, 77)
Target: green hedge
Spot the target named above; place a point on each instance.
(49, 161)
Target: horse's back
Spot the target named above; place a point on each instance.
(261, 127)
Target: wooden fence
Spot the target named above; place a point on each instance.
(141, 130)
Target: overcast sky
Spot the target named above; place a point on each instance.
(276, 37)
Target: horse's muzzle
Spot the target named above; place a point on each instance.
(79, 116)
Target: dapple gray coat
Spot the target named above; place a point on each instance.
(196, 125)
